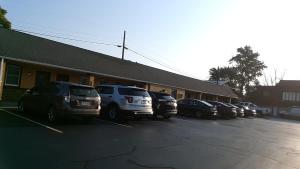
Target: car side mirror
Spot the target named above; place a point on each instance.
(28, 91)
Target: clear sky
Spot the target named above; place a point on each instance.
(190, 36)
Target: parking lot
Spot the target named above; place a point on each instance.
(180, 142)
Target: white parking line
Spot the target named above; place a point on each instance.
(25, 118)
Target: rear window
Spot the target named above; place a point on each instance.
(133, 92)
(165, 96)
(83, 91)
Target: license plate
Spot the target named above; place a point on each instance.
(85, 103)
(144, 101)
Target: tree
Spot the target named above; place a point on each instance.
(270, 80)
(248, 67)
(227, 74)
(3, 21)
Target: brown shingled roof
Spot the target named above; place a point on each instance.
(24, 47)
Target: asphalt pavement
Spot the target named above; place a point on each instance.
(27, 142)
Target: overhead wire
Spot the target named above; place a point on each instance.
(65, 38)
(157, 62)
(107, 44)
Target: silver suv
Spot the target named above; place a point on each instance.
(122, 101)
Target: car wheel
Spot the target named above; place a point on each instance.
(198, 114)
(167, 116)
(113, 113)
(21, 107)
(51, 115)
(154, 116)
(179, 112)
(87, 119)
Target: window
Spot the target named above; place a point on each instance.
(179, 96)
(133, 92)
(84, 80)
(62, 77)
(42, 78)
(105, 90)
(83, 91)
(298, 97)
(285, 96)
(291, 96)
(13, 73)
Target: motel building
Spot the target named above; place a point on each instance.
(28, 60)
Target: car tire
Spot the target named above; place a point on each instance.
(21, 107)
(198, 114)
(87, 120)
(166, 116)
(180, 113)
(154, 116)
(52, 115)
(113, 113)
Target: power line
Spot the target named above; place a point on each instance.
(157, 62)
(52, 30)
(72, 39)
(107, 44)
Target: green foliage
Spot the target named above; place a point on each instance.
(244, 71)
(3, 21)
(227, 74)
(248, 67)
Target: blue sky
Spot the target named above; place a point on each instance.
(190, 36)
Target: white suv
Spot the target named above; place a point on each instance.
(122, 101)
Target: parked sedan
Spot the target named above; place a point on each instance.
(196, 108)
(240, 110)
(247, 111)
(61, 99)
(224, 110)
(163, 104)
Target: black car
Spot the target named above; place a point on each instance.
(224, 110)
(163, 104)
(247, 111)
(239, 110)
(196, 108)
(59, 99)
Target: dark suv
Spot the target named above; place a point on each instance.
(60, 99)
(163, 104)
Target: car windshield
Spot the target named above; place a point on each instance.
(229, 104)
(223, 104)
(207, 104)
(133, 92)
(83, 91)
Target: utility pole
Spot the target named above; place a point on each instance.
(218, 74)
(123, 46)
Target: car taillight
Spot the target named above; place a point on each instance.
(67, 99)
(129, 99)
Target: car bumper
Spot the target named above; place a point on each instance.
(69, 111)
(167, 111)
(136, 110)
(228, 114)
